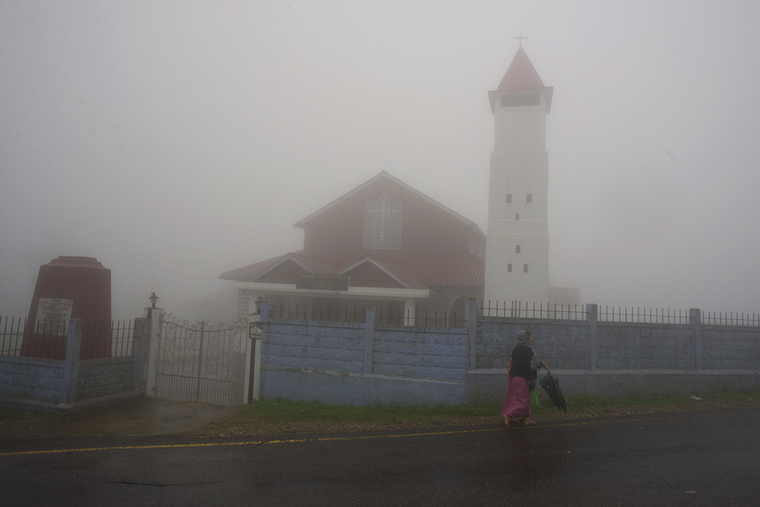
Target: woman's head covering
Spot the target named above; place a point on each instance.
(523, 337)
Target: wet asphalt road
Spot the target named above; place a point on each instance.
(698, 458)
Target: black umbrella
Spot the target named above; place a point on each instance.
(551, 386)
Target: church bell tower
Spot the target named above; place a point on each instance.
(517, 241)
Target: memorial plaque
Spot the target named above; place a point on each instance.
(53, 315)
(322, 282)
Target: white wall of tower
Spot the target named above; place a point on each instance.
(517, 245)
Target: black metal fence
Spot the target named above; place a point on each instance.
(642, 315)
(358, 315)
(731, 319)
(519, 310)
(111, 339)
(11, 335)
(516, 310)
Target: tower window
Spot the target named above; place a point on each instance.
(529, 198)
(517, 216)
(517, 249)
(509, 198)
(382, 223)
(525, 268)
(521, 99)
(509, 267)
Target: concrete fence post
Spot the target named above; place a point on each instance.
(250, 343)
(471, 316)
(71, 363)
(592, 318)
(369, 341)
(156, 316)
(200, 362)
(140, 348)
(695, 320)
(254, 358)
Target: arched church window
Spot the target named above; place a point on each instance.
(382, 223)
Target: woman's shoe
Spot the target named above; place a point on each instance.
(529, 422)
(505, 419)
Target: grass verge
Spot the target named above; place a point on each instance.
(284, 410)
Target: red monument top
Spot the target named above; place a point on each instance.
(70, 288)
(76, 262)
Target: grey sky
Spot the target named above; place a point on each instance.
(178, 140)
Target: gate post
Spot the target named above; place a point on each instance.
(249, 343)
(200, 363)
(255, 346)
(140, 349)
(156, 318)
(253, 363)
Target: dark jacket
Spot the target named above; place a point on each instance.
(520, 364)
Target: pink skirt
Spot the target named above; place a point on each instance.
(517, 402)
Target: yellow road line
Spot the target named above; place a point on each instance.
(239, 444)
(304, 440)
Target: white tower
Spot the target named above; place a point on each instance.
(517, 242)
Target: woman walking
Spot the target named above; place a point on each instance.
(523, 370)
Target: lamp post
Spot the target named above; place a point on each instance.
(254, 326)
(153, 300)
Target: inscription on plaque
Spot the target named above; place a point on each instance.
(322, 282)
(53, 314)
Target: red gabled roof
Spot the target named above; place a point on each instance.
(521, 75)
(383, 174)
(257, 271)
(462, 270)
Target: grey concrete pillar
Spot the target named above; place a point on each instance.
(71, 363)
(471, 317)
(695, 320)
(156, 316)
(140, 349)
(369, 341)
(592, 318)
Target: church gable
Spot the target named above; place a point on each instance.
(386, 215)
(284, 273)
(368, 274)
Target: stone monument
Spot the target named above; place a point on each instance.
(70, 288)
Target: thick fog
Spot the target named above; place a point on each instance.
(174, 141)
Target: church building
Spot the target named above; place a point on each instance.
(388, 245)
(383, 244)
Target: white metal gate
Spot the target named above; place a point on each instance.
(201, 363)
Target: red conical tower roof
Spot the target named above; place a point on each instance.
(521, 75)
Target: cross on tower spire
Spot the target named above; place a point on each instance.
(520, 38)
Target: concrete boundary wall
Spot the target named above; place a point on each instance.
(33, 384)
(104, 377)
(32, 379)
(360, 364)
(341, 388)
